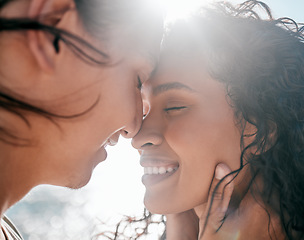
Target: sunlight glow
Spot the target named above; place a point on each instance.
(181, 8)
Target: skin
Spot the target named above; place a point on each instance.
(66, 153)
(189, 123)
(181, 104)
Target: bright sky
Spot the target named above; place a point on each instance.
(280, 8)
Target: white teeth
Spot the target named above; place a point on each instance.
(158, 170)
(162, 170)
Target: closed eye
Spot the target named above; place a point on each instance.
(174, 108)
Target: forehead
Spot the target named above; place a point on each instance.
(149, 54)
(176, 72)
(150, 58)
(176, 66)
(145, 55)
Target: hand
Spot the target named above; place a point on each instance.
(185, 225)
(219, 202)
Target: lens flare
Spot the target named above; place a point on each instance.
(176, 9)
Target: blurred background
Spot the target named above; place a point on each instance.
(115, 189)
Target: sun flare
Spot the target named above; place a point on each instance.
(181, 8)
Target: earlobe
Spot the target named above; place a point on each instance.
(43, 45)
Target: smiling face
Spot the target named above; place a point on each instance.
(188, 129)
(65, 153)
(81, 144)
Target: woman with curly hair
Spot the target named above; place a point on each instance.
(70, 79)
(227, 101)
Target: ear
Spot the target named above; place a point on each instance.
(43, 45)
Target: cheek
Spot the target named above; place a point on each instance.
(201, 143)
(127, 106)
(195, 136)
(118, 101)
(207, 138)
(197, 160)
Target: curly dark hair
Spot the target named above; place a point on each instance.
(260, 60)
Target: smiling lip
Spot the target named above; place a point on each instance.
(157, 169)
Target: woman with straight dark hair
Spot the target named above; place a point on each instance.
(223, 127)
(70, 80)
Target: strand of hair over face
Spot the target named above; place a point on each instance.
(81, 48)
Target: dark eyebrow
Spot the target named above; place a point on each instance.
(169, 86)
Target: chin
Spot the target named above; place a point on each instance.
(156, 210)
(78, 181)
(76, 186)
(158, 207)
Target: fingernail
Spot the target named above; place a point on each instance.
(221, 171)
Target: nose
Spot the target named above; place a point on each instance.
(134, 125)
(131, 130)
(149, 135)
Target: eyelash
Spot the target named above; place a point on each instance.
(174, 108)
(139, 83)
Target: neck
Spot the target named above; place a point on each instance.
(247, 216)
(15, 179)
(10, 193)
(252, 220)
(240, 190)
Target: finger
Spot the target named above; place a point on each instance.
(218, 200)
(225, 188)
